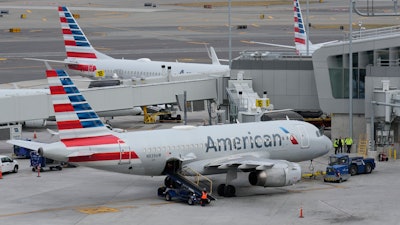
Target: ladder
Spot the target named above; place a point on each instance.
(362, 145)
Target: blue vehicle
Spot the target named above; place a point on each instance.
(21, 152)
(40, 162)
(181, 193)
(341, 167)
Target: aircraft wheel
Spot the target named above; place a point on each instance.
(221, 190)
(230, 191)
(226, 190)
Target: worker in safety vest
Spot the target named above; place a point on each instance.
(204, 197)
(348, 142)
(336, 145)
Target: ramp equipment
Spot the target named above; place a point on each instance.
(178, 180)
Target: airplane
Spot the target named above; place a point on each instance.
(267, 150)
(82, 57)
(300, 36)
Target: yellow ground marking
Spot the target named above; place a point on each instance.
(98, 210)
(185, 60)
(1, 59)
(198, 43)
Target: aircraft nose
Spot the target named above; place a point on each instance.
(327, 145)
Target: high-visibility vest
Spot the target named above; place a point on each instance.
(204, 195)
(335, 144)
(348, 141)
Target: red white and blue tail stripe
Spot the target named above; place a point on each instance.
(300, 35)
(77, 46)
(78, 124)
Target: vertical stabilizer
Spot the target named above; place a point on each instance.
(77, 46)
(300, 35)
(78, 124)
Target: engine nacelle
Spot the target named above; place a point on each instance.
(34, 123)
(283, 173)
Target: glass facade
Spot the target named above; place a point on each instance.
(339, 74)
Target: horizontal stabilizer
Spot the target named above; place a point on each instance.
(27, 144)
(48, 60)
(272, 44)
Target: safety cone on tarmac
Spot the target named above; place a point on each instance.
(1, 173)
(301, 213)
(34, 134)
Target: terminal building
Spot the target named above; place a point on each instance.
(321, 83)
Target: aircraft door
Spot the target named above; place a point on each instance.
(125, 155)
(303, 136)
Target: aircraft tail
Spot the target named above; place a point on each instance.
(300, 35)
(77, 46)
(214, 57)
(78, 124)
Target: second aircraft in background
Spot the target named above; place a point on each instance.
(81, 56)
(300, 36)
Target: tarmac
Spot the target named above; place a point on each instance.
(79, 196)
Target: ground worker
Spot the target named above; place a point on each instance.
(336, 145)
(340, 145)
(204, 197)
(348, 142)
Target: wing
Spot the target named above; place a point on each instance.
(243, 162)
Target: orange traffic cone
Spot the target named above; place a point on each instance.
(301, 213)
(34, 134)
(1, 173)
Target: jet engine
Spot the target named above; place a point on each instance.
(283, 173)
(34, 123)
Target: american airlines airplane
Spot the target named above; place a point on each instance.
(300, 36)
(266, 150)
(82, 57)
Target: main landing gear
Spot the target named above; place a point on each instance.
(226, 189)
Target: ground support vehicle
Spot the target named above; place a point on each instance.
(21, 152)
(178, 187)
(341, 166)
(182, 193)
(8, 164)
(40, 162)
(337, 173)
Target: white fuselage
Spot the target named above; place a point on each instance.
(147, 152)
(145, 68)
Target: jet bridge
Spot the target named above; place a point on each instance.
(245, 104)
(111, 100)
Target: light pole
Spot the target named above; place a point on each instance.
(350, 69)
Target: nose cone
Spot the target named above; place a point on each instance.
(326, 145)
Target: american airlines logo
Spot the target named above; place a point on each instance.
(248, 142)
